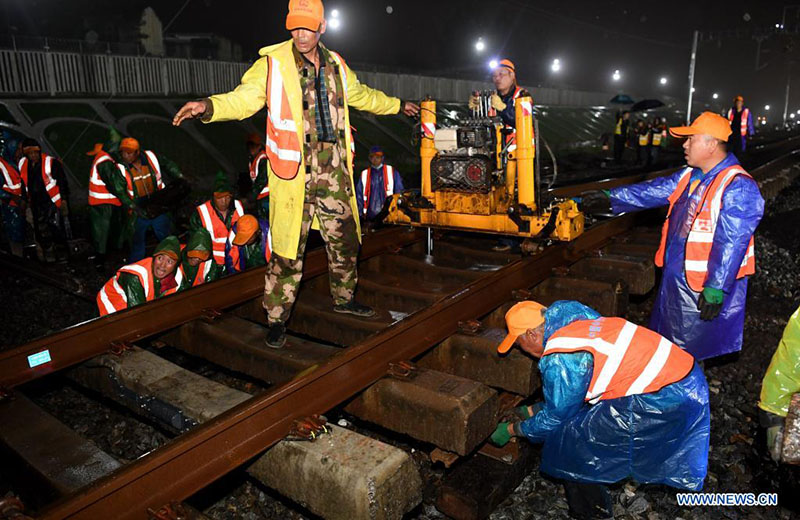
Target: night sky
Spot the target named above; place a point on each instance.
(644, 40)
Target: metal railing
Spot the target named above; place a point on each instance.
(30, 73)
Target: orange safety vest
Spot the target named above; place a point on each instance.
(283, 147)
(262, 155)
(50, 183)
(234, 249)
(388, 183)
(704, 225)
(200, 276)
(743, 122)
(216, 227)
(112, 298)
(155, 167)
(98, 191)
(628, 359)
(11, 181)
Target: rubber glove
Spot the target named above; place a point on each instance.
(497, 103)
(501, 435)
(595, 201)
(710, 303)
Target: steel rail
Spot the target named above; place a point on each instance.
(196, 459)
(92, 338)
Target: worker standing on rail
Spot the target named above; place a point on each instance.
(308, 90)
(658, 129)
(621, 135)
(258, 175)
(741, 121)
(146, 173)
(106, 180)
(376, 184)
(197, 265)
(620, 401)
(46, 192)
(706, 247)
(248, 245)
(12, 205)
(218, 215)
(642, 136)
(143, 281)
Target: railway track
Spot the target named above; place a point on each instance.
(428, 353)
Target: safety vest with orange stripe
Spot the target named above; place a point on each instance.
(50, 183)
(254, 166)
(98, 191)
(217, 228)
(388, 183)
(11, 180)
(704, 224)
(112, 298)
(628, 359)
(744, 119)
(155, 168)
(200, 276)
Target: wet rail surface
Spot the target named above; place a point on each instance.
(427, 322)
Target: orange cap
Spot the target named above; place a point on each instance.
(507, 64)
(199, 253)
(305, 14)
(707, 123)
(738, 98)
(129, 143)
(98, 147)
(519, 318)
(246, 227)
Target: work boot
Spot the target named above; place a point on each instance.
(354, 308)
(276, 337)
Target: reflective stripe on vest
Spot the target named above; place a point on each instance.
(11, 180)
(743, 122)
(254, 165)
(112, 297)
(216, 227)
(200, 276)
(644, 139)
(657, 139)
(153, 160)
(704, 224)
(628, 359)
(283, 146)
(366, 183)
(98, 191)
(50, 184)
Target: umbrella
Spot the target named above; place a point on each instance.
(646, 104)
(622, 99)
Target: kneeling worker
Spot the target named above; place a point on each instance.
(142, 281)
(620, 402)
(248, 245)
(197, 265)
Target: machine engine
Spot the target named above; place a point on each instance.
(466, 158)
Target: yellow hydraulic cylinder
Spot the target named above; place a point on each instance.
(427, 147)
(511, 173)
(524, 138)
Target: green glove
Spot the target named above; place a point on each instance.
(501, 436)
(715, 296)
(710, 303)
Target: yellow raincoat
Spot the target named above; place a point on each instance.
(287, 196)
(783, 374)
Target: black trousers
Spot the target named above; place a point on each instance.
(588, 501)
(619, 148)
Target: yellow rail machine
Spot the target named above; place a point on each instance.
(480, 177)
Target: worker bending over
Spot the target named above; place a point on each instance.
(620, 401)
(143, 281)
(706, 249)
(218, 215)
(248, 245)
(308, 91)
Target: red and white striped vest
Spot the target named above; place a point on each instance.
(743, 123)
(98, 191)
(50, 183)
(366, 184)
(628, 359)
(112, 298)
(254, 165)
(216, 227)
(11, 180)
(283, 146)
(704, 225)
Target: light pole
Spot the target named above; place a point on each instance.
(691, 76)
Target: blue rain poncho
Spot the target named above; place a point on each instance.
(675, 315)
(657, 438)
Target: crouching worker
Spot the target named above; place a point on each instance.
(143, 281)
(248, 245)
(197, 265)
(620, 401)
